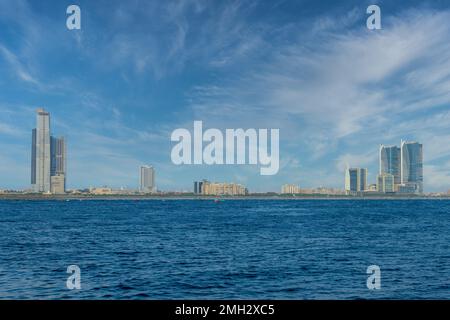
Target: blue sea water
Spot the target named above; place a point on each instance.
(235, 249)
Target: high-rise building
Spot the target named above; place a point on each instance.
(385, 183)
(390, 161)
(147, 179)
(355, 180)
(198, 187)
(58, 155)
(48, 157)
(58, 164)
(41, 158)
(412, 166)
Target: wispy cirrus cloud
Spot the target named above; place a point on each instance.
(8, 129)
(17, 67)
(349, 89)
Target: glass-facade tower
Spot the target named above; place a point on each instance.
(412, 165)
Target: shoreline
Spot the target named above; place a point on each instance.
(41, 197)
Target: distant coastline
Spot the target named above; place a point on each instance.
(69, 197)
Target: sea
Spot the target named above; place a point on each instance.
(231, 249)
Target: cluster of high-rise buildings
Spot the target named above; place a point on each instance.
(207, 188)
(48, 158)
(49, 161)
(400, 171)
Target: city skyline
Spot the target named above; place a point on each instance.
(335, 89)
(400, 168)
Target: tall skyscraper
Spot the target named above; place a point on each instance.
(147, 179)
(355, 180)
(412, 166)
(40, 171)
(48, 157)
(390, 161)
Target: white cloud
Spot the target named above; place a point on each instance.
(348, 89)
(335, 94)
(438, 177)
(356, 160)
(8, 129)
(17, 67)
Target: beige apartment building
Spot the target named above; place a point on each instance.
(218, 189)
(290, 189)
(58, 184)
(101, 191)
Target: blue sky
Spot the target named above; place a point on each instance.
(137, 70)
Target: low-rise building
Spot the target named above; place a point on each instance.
(323, 191)
(409, 188)
(57, 184)
(290, 189)
(218, 189)
(101, 191)
(386, 183)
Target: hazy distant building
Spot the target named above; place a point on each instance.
(409, 188)
(40, 151)
(48, 157)
(101, 191)
(323, 191)
(411, 167)
(386, 183)
(390, 162)
(147, 179)
(290, 189)
(355, 180)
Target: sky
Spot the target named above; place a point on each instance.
(137, 70)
